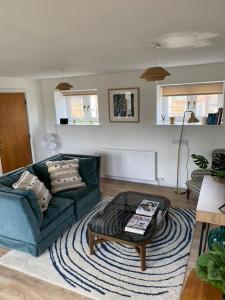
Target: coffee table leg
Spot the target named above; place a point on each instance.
(167, 217)
(143, 257)
(91, 241)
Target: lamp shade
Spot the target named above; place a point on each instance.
(155, 74)
(64, 86)
(193, 118)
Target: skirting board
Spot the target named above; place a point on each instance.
(160, 181)
(130, 179)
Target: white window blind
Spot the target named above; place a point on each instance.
(193, 89)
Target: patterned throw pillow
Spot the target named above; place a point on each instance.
(28, 181)
(64, 175)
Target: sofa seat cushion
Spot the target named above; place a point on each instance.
(58, 211)
(84, 198)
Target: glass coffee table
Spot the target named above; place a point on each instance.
(109, 224)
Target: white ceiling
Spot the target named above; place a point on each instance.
(40, 37)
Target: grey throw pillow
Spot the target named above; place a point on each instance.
(64, 175)
(28, 181)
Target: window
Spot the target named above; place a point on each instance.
(80, 107)
(203, 99)
(83, 108)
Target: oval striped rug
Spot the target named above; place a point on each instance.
(113, 272)
(114, 269)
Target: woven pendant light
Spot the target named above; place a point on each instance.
(63, 86)
(155, 73)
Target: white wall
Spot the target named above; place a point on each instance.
(36, 119)
(143, 135)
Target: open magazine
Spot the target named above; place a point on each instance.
(144, 213)
(147, 208)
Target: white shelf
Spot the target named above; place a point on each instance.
(94, 124)
(189, 124)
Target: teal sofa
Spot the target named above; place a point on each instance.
(24, 227)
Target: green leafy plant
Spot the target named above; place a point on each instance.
(210, 267)
(220, 173)
(200, 161)
(218, 162)
(218, 166)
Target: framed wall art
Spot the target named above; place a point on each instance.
(124, 105)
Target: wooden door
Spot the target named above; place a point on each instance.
(15, 149)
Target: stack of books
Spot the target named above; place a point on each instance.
(216, 118)
(143, 216)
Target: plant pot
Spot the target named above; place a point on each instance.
(217, 235)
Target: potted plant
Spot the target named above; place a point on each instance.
(217, 168)
(210, 267)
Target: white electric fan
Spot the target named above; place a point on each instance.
(50, 142)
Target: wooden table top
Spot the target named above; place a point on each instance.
(212, 196)
(196, 289)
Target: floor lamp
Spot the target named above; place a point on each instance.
(192, 119)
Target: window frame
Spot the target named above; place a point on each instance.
(160, 103)
(63, 107)
(87, 118)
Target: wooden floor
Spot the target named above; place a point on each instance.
(16, 285)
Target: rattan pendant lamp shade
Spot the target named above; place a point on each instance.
(63, 86)
(155, 73)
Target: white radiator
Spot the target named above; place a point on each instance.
(131, 165)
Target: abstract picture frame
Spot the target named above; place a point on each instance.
(124, 104)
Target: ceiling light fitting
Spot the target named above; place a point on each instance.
(63, 86)
(155, 73)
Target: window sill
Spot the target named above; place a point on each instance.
(189, 124)
(80, 124)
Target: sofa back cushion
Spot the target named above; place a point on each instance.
(64, 175)
(28, 181)
(41, 170)
(11, 177)
(88, 169)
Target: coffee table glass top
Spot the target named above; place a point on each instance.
(111, 221)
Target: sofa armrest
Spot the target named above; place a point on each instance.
(198, 175)
(17, 220)
(30, 196)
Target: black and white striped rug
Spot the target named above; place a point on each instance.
(113, 272)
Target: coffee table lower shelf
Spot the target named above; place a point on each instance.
(96, 238)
